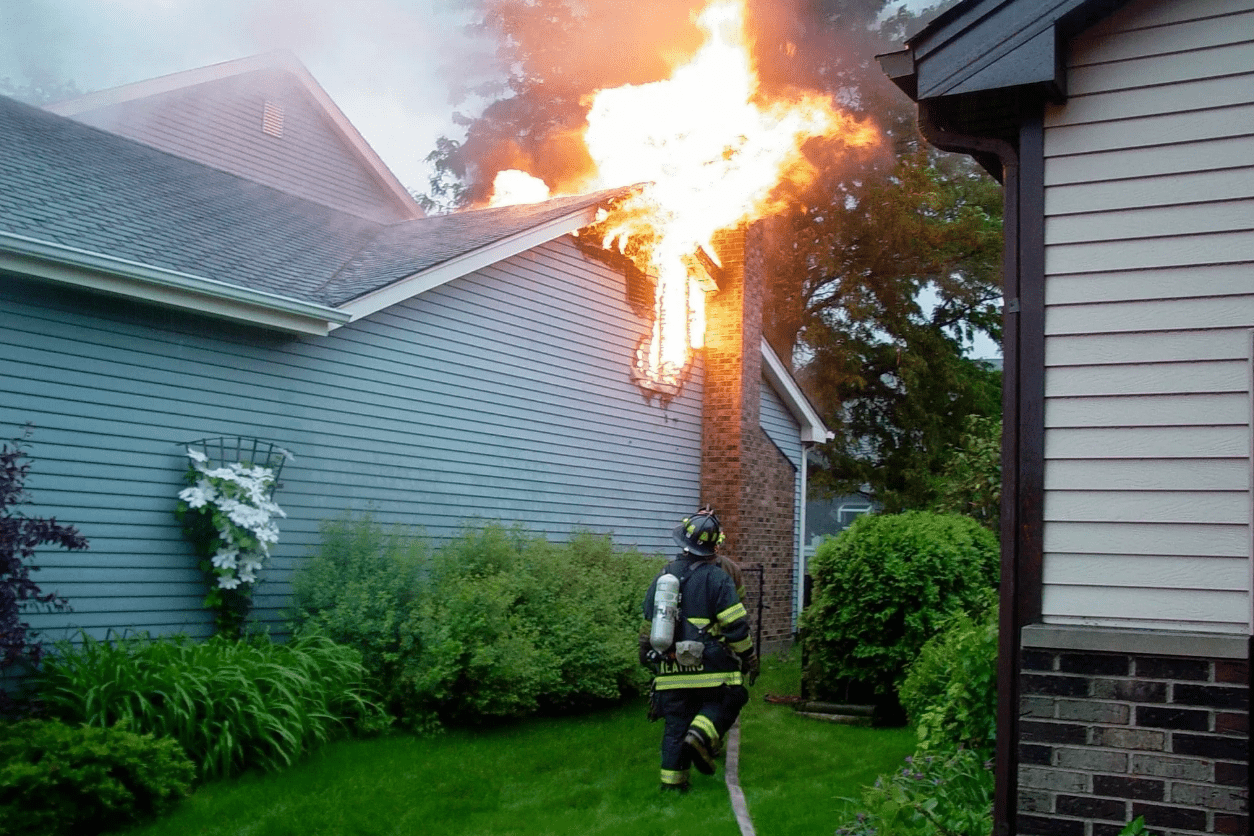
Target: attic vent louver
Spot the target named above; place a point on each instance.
(272, 119)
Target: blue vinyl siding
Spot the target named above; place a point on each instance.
(505, 394)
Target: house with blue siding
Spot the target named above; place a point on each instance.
(218, 254)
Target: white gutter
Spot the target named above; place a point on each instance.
(133, 280)
(801, 536)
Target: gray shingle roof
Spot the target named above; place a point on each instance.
(69, 184)
(405, 248)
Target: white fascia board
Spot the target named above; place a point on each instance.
(133, 280)
(813, 430)
(467, 263)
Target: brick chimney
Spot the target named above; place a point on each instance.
(747, 479)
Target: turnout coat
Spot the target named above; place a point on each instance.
(710, 612)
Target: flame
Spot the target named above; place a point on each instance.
(512, 187)
(710, 152)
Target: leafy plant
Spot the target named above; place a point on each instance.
(497, 623)
(231, 705)
(20, 535)
(511, 624)
(228, 514)
(929, 796)
(950, 691)
(882, 588)
(360, 589)
(1136, 827)
(57, 779)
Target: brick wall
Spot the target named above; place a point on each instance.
(743, 475)
(1107, 737)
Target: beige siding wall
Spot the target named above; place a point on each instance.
(1149, 261)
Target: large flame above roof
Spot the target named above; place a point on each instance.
(711, 152)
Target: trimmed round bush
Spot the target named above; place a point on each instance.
(882, 588)
(57, 778)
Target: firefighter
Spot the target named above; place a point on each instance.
(699, 649)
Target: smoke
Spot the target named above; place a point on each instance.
(388, 64)
(399, 68)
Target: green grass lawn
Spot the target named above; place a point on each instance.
(589, 774)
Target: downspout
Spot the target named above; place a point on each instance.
(800, 591)
(1009, 618)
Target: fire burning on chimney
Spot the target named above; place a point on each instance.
(709, 152)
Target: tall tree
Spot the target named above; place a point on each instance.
(879, 287)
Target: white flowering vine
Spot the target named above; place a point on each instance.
(229, 515)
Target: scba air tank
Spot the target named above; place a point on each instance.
(665, 613)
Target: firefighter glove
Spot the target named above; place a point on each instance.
(750, 666)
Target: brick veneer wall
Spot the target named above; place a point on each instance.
(743, 475)
(1107, 737)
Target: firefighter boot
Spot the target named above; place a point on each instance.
(675, 781)
(701, 744)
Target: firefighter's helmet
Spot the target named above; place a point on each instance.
(700, 533)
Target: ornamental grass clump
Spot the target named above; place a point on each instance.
(231, 705)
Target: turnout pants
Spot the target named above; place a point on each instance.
(712, 710)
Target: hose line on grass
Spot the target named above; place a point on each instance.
(731, 775)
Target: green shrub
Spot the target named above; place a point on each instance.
(231, 705)
(950, 692)
(58, 779)
(929, 796)
(882, 588)
(510, 624)
(497, 623)
(359, 589)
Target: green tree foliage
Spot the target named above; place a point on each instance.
(882, 589)
(971, 476)
(879, 290)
